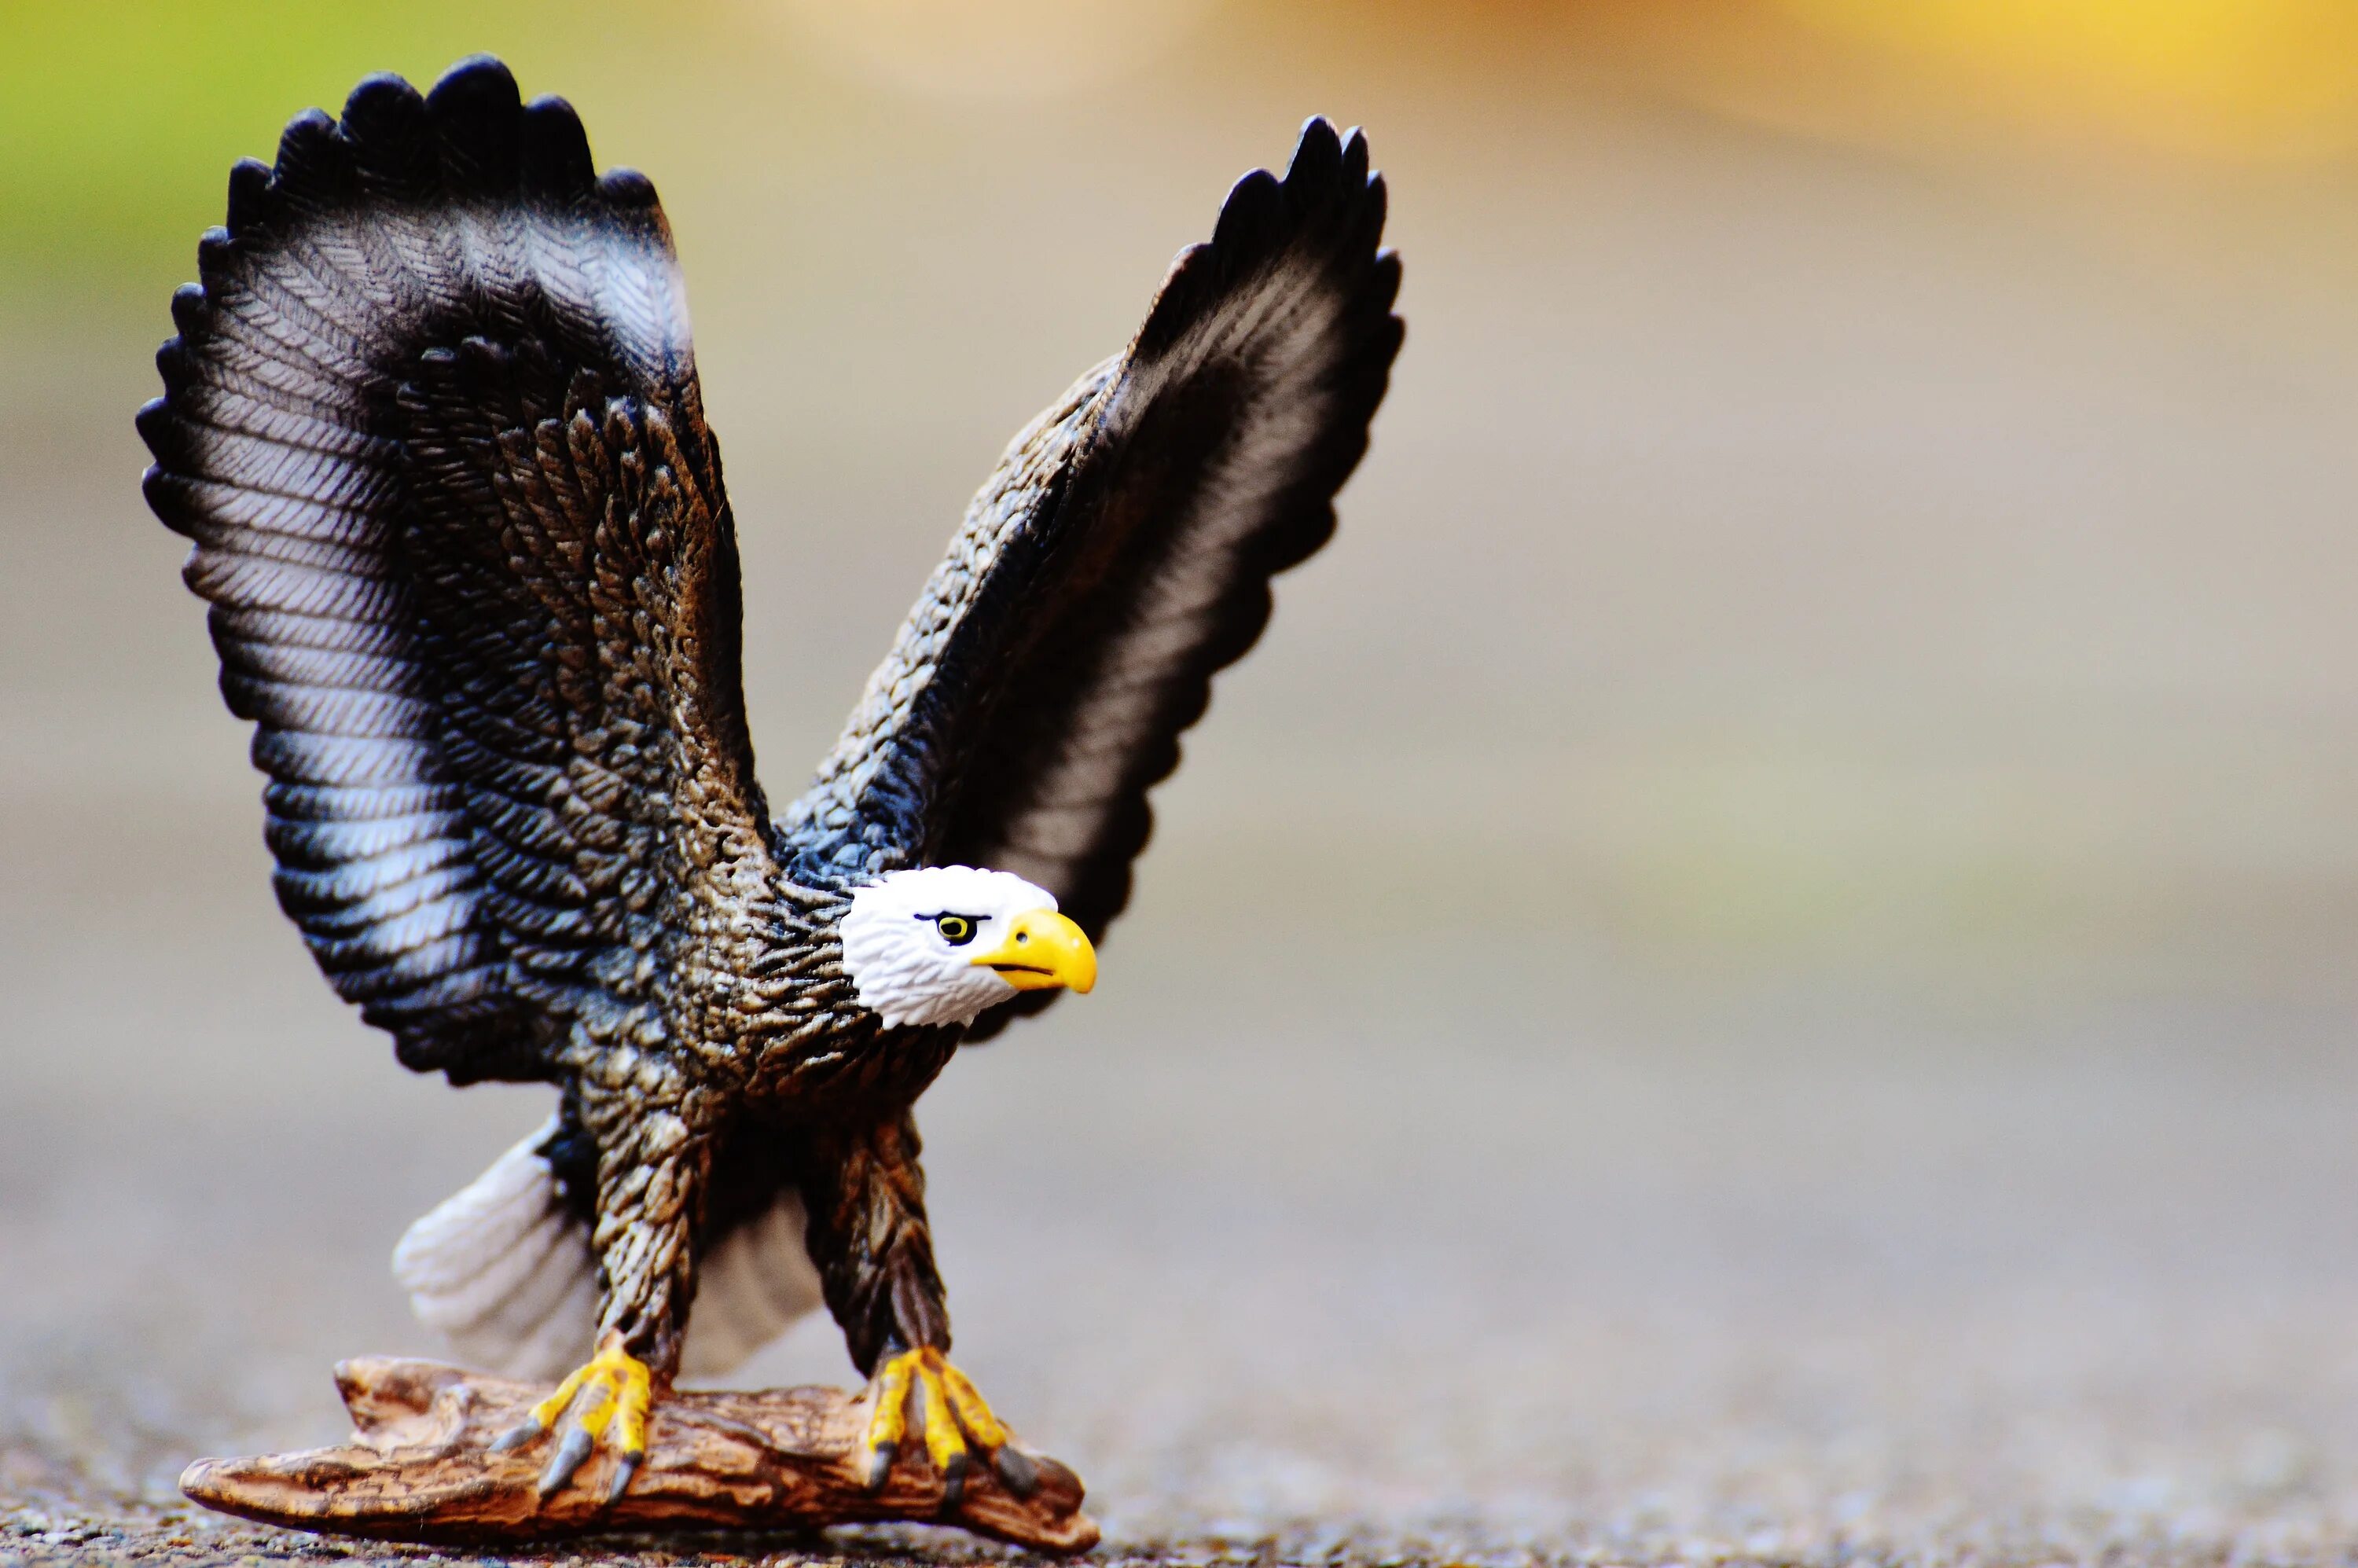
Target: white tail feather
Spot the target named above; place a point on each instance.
(503, 1271)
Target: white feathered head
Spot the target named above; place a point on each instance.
(940, 944)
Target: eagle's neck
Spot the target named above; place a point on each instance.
(788, 1019)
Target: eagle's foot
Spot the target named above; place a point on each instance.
(606, 1399)
(952, 1418)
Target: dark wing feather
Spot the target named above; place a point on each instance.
(1123, 556)
(432, 422)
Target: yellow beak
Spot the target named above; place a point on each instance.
(1042, 950)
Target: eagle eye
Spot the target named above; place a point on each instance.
(958, 930)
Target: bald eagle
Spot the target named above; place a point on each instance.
(432, 423)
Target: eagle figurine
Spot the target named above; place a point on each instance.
(432, 423)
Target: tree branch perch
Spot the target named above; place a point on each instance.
(419, 1468)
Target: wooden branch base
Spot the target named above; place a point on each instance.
(419, 1468)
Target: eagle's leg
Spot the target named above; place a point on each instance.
(650, 1176)
(866, 1197)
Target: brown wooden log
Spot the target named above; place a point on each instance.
(419, 1468)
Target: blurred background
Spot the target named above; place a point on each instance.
(1760, 963)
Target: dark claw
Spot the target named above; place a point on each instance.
(1016, 1471)
(880, 1464)
(625, 1466)
(953, 1481)
(564, 1461)
(515, 1437)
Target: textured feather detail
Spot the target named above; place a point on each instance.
(1121, 557)
(503, 1271)
(432, 425)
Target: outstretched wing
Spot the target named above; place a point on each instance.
(1122, 555)
(432, 423)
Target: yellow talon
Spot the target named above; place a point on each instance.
(972, 1413)
(890, 1421)
(611, 1394)
(944, 1447)
(954, 1416)
(545, 1414)
(629, 1418)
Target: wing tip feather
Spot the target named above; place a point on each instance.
(1317, 156)
(1329, 207)
(470, 134)
(386, 122)
(251, 201)
(627, 190)
(378, 96)
(480, 73)
(557, 166)
(477, 113)
(314, 159)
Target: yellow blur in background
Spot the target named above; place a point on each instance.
(2244, 80)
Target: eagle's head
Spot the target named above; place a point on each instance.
(940, 944)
